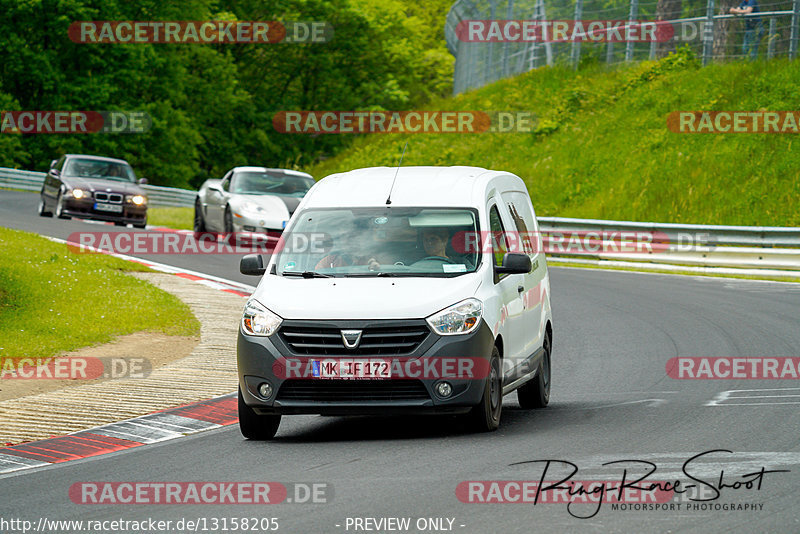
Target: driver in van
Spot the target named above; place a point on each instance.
(434, 241)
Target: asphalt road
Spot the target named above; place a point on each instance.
(611, 400)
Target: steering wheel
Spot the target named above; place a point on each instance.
(440, 258)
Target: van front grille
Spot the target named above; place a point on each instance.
(375, 341)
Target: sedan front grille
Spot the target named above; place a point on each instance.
(352, 390)
(114, 198)
(375, 341)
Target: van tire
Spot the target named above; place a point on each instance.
(536, 393)
(254, 426)
(485, 417)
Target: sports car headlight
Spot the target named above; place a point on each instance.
(136, 199)
(252, 209)
(80, 193)
(460, 318)
(258, 320)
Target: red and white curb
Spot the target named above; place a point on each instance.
(159, 426)
(152, 428)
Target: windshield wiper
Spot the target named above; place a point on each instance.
(306, 274)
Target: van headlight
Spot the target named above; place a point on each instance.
(259, 321)
(460, 318)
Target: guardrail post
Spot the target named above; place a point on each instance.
(576, 45)
(535, 48)
(795, 33)
(771, 39)
(509, 16)
(708, 32)
(488, 78)
(631, 19)
(548, 48)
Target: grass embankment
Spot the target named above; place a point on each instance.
(602, 148)
(177, 218)
(53, 300)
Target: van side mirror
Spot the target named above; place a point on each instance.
(143, 181)
(54, 172)
(515, 263)
(252, 264)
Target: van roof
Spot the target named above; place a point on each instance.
(415, 186)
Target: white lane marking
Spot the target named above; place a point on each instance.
(9, 463)
(723, 398)
(163, 267)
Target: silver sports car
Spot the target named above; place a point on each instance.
(250, 199)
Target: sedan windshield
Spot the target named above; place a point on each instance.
(380, 242)
(268, 183)
(97, 168)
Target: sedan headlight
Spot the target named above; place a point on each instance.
(460, 318)
(136, 199)
(80, 193)
(258, 320)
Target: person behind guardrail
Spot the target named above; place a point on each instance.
(753, 27)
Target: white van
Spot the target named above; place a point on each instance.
(418, 290)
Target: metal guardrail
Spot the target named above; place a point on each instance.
(157, 195)
(751, 248)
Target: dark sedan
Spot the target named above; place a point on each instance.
(93, 187)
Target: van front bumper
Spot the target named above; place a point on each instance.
(264, 360)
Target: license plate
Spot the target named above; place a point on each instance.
(114, 208)
(351, 369)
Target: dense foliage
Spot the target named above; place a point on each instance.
(212, 104)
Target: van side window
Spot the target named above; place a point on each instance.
(523, 234)
(499, 242)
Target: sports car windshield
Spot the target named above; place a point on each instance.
(380, 242)
(95, 168)
(267, 183)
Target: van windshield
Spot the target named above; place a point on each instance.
(380, 242)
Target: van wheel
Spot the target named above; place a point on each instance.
(485, 417)
(536, 393)
(254, 426)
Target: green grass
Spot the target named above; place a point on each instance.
(53, 300)
(602, 149)
(177, 218)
